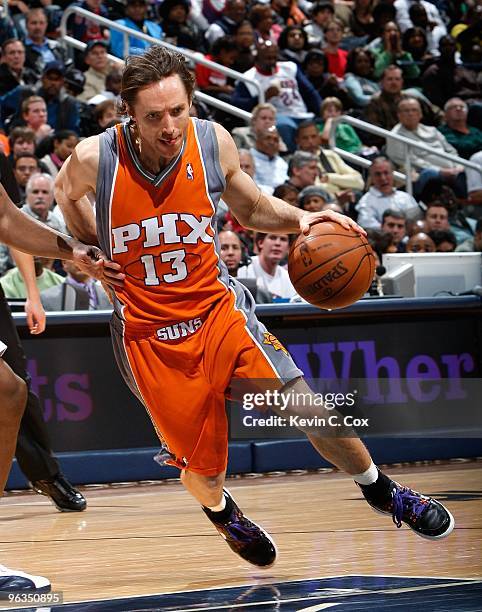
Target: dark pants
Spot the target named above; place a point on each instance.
(33, 452)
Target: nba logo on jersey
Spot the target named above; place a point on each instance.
(189, 172)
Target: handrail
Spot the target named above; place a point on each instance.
(197, 58)
(206, 98)
(411, 144)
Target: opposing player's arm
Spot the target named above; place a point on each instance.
(259, 211)
(77, 177)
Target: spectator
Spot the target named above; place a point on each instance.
(444, 240)
(414, 42)
(467, 34)
(21, 140)
(84, 29)
(13, 284)
(313, 198)
(321, 14)
(410, 126)
(465, 138)
(24, 166)
(233, 14)
(345, 136)
(382, 110)
(334, 174)
(359, 78)
(390, 53)
(382, 195)
(432, 34)
(293, 44)
(74, 82)
(316, 70)
(438, 195)
(244, 38)
(336, 57)
(104, 115)
(405, 22)
(34, 114)
(77, 291)
(99, 65)
(288, 193)
(287, 12)
(361, 23)
(266, 269)
(263, 116)
(64, 142)
(420, 243)
(261, 18)
(303, 170)
(473, 243)
(246, 162)
(224, 52)
(271, 169)
(445, 79)
(437, 217)
(474, 187)
(39, 201)
(39, 49)
(394, 222)
(135, 19)
(285, 86)
(178, 28)
(113, 82)
(12, 68)
(231, 250)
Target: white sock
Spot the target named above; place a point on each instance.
(220, 506)
(367, 477)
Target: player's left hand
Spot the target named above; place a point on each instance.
(309, 219)
(94, 262)
(35, 314)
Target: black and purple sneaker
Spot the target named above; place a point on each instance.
(243, 537)
(427, 517)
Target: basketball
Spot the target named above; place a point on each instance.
(331, 267)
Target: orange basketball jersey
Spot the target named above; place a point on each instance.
(160, 227)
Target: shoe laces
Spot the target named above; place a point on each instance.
(241, 529)
(407, 502)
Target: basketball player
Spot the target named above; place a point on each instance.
(182, 329)
(23, 233)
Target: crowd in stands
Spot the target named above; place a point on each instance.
(412, 67)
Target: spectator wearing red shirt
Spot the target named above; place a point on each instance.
(336, 57)
(223, 51)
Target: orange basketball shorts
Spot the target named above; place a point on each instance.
(181, 372)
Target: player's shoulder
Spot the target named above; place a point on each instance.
(88, 149)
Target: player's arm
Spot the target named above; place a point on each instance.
(33, 306)
(76, 178)
(257, 210)
(24, 233)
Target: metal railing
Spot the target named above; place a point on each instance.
(203, 97)
(387, 134)
(197, 58)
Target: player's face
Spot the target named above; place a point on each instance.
(161, 113)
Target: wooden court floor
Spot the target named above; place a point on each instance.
(153, 538)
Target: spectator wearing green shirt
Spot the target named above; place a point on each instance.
(390, 51)
(13, 284)
(345, 136)
(465, 138)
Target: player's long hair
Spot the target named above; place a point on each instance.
(155, 64)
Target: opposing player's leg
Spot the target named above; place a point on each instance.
(425, 516)
(13, 394)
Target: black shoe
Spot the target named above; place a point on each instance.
(427, 517)
(62, 493)
(15, 580)
(244, 537)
